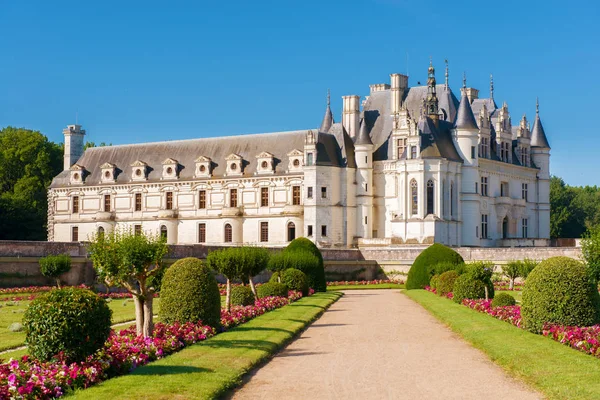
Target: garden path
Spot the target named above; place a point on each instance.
(378, 344)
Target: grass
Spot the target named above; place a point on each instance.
(555, 370)
(362, 287)
(209, 369)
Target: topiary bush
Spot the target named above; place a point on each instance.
(300, 260)
(242, 296)
(445, 283)
(55, 265)
(433, 282)
(440, 268)
(560, 291)
(421, 271)
(190, 293)
(295, 279)
(467, 287)
(314, 272)
(73, 321)
(272, 289)
(503, 300)
(275, 277)
(482, 271)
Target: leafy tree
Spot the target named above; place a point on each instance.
(527, 265)
(224, 262)
(88, 144)
(54, 265)
(590, 247)
(129, 260)
(512, 270)
(573, 209)
(251, 261)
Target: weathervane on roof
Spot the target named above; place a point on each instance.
(464, 80)
(491, 86)
(537, 106)
(328, 97)
(446, 86)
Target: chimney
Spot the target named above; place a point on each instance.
(399, 83)
(472, 93)
(351, 114)
(73, 144)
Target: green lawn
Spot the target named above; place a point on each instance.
(362, 287)
(517, 294)
(556, 370)
(209, 369)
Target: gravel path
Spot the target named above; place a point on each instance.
(379, 344)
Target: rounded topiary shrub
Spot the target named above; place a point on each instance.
(73, 321)
(433, 282)
(467, 287)
(242, 296)
(559, 291)
(272, 289)
(190, 293)
(55, 265)
(295, 279)
(503, 300)
(315, 272)
(445, 283)
(420, 272)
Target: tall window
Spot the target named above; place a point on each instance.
(291, 231)
(296, 195)
(323, 192)
(169, 201)
(309, 230)
(484, 186)
(414, 195)
(324, 230)
(524, 191)
(107, 203)
(137, 229)
(228, 234)
(309, 193)
(484, 226)
(74, 234)
(264, 231)
(452, 199)
(504, 189)
(430, 199)
(401, 143)
(138, 202)
(309, 159)
(413, 152)
(202, 233)
(473, 154)
(100, 232)
(75, 204)
(202, 199)
(484, 146)
(524, 227)
(264, 197)
(164, 233)
(233, 198)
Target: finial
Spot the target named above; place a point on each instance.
(328, 97)
(446, 86)
(430, 61)
(537, 106)
(464, 80)
(491, 86)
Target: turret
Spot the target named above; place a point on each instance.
(73, 145)
(363, 150)
(540, 155)
(328, 117)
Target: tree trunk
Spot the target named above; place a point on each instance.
(58, 283)
(139, 314)
(228, 296)
(148, 326)
(252, 287)
(511, 285)
(486, 293)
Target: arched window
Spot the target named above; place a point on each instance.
(414, 195)
(228, 234)
(100, 232)
(291, 231)
(163, 232)
(430, 201)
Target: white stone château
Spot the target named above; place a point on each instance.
(416, 165)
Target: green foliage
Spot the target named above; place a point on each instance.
(272, 289)
(482, 271)
(445, 266)
(295, 279)
(54, 265)
(560, 291)
(314, 272)
(28, 163)
(241, 296)
(467, 286)
(573, 209)
(433, 282)
(224, 262)
(300, 260)
(503, 300)
(250, 261)
(70, 320)
(512, 270)
(421, 271)
(275, 277)
(590, 248)
(527, 265)
(190, 293)
(445, 282)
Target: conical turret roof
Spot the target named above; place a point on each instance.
(363, 135)
(464, 117)
(538, 136)
(327, 118)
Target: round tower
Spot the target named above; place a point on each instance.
(363, 150)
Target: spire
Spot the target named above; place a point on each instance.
(491, 86)
(464, 80)
(446, 75)
(363, 136)
(465, 118)
(538, 136)
(328, 118)
(432, 100)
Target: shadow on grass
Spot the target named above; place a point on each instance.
(260, 328)
(151, 369)
(307, 305)
(263, 345)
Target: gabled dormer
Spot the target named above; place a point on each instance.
(203, 167)
(265, 163)
(78, 174)
(296, 160)
(234, 165)
(139, 171)
(170, 169)
(310, 148)
(524, 142)
(109, 173)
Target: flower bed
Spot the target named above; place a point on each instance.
(34, 291)
(359, 283)
(123, 352)
(506, 286)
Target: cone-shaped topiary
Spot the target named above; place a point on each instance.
(272, 289)
(190, 293)
(295, 279)
(420, 272)
(315, 273)
(242, 296)
(559, 291)
(503, 300)
(73, 321)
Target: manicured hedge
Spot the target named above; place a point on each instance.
(468, 287)
(503, 300)
(315, 273)
(190, 293)
(433, 282)
(445, 283)
(560, 291)
(272, 289)
(295, 279)
(421, 271)
(242, 296)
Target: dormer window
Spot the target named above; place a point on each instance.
(266, 164)
(203, 165)
(78, 174)
(139, 170)
(234, 165)
(108, 172)
(296, 158)
(170, 169)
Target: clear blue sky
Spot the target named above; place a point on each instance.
(147, 71)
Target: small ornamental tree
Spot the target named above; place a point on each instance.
(53, 266)
(250, 262)
(129, 260)
(512, 270)
(223, 261)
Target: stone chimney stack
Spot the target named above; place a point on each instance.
(399, 83)
(351, 114)
(471, 93)
(73, 144)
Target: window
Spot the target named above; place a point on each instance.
(524, 191)
(137, 230)
(505, 151)
(401, 144)
(202, 199)
(473, 155)
(169, 202)
(75, 204)
(228, 234)
(484, 186)
(414, 195)
(430, 200)
(484, 226)
(202, 233)
(323, 192)
(309, 230)
(107, 203)
(138, 202)
(100, 232)
(309, 159)
(296, 163)
(524, 227)
(451, 199)
(413, 152)
(476, 231)
(323, 230)
(74, 234)
(366, 187)
(309, 193)
(476, 188)
(296, 195)
(504, 189)
(233, 198)
(163, 233)
(264, 197)
(291, 231)
(484, 148)
(264, 231)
